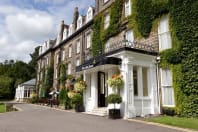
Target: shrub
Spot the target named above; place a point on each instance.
(168, 111)
(114, 98)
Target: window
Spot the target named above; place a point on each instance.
(88, 41)
(164, 34)
(69, 68)
(77, 62)
(145, 81)
(127, 8)
(65, 33)
(70, 51)
(167, 89)
(56, 73)
(129, 37)
(78, 46)
(79, 22)
(105, 1)
(89, 14)
(57, 59)
(70, 29)
(63, 56)
(135, 81)
(106, 21)
(47, 61)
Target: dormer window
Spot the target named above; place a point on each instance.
(79, 22)
(127, 8)
(64, 33)
(89, 15)
(70, 29)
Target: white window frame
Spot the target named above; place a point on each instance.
(164, 34)
(70, 51)
(69, 68)
(106, 21)
(78, 46)
(65, 33)
(105, 1)
(167, 86)
(63, 55)
(127, 8)
(47, 61)
(88, 40)
(79, 22)
(77, 62)
(129, 36)
(57, 60)
(89, 15)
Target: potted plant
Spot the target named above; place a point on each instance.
(77, 100)
(112, 100)
(116, 82)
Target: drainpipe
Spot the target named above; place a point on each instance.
(158, 85)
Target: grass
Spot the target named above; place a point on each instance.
(182, 122)
(2, 108)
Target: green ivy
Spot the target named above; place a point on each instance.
(101, 35)
(63, 68)
(48, 80)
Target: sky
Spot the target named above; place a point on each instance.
(26, 24)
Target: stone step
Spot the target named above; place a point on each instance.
(98, 112)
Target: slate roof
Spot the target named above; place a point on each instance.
(30, 82)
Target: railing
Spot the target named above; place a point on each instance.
(133, 45)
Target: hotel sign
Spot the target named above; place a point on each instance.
(87, 67)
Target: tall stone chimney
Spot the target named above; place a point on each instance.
(61, 29)
(76, 14)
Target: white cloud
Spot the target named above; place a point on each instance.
(26, 25)
(35, 26)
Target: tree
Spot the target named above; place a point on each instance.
(33, 62)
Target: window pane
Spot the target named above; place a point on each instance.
(135, 81)
(145, 81)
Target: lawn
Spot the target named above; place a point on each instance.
(2, 108)
(176, 121)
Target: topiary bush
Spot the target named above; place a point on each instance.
(114, 99)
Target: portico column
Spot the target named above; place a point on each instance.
(128, 96)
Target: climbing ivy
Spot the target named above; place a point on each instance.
(101, 35)
(63, 68)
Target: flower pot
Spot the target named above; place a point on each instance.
(114, 114)
(79, 108)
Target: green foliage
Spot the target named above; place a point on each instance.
(114, 98)
(64, 99)
(101, 35)
(62, 75)
(2, 108)
(145, 12)
(77, 99)
(48, 80)
(5, 87)
(96, 41)
(33, 62)
(191, 123)
(184, 30)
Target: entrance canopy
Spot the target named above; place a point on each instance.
(98, 61)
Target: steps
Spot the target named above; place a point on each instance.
(102, 111)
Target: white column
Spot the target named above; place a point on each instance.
(94, 89)
(127, 92)
(140, 87)
(84, 92)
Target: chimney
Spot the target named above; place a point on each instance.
(76, 14)
(61, 29)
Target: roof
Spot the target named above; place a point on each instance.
(30, 82)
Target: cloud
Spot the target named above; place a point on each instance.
(26, 24)
(35, 26)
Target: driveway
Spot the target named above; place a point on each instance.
(34, 118)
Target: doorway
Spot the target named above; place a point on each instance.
(101, 89)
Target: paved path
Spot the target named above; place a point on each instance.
(40, 119)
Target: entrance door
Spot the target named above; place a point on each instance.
(101, 89)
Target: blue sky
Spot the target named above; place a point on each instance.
(25, 24)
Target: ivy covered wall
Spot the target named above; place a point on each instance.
(182, 58)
